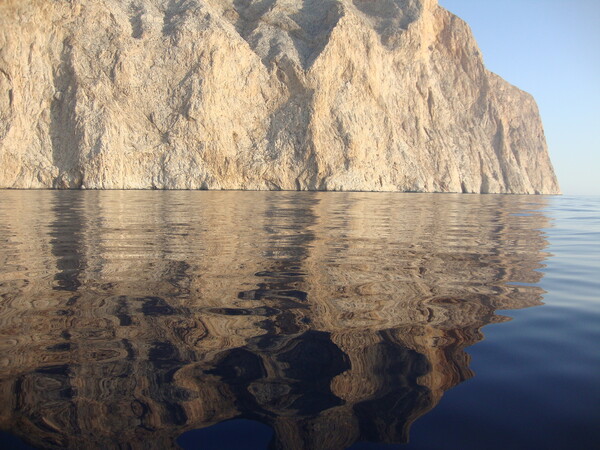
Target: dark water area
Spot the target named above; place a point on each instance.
(289, 320)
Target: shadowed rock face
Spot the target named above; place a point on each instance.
(128, 319)
(388, 95)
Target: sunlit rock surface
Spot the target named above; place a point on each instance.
(129, 318)
(388, 95)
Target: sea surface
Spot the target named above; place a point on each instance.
(295, 320)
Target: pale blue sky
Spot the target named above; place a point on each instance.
(551, 49)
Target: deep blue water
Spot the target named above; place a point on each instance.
(237, 320)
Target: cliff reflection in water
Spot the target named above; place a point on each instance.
(133, 317)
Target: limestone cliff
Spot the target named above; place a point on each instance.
(387, 95)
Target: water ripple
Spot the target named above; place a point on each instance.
(129, 318)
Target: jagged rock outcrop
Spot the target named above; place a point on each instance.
(387, 95)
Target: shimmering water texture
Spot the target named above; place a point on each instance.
(230, 320)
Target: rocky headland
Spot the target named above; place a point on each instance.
(387, 95)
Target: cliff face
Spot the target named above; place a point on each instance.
(388, 95)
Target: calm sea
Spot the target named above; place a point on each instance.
(284, 320)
